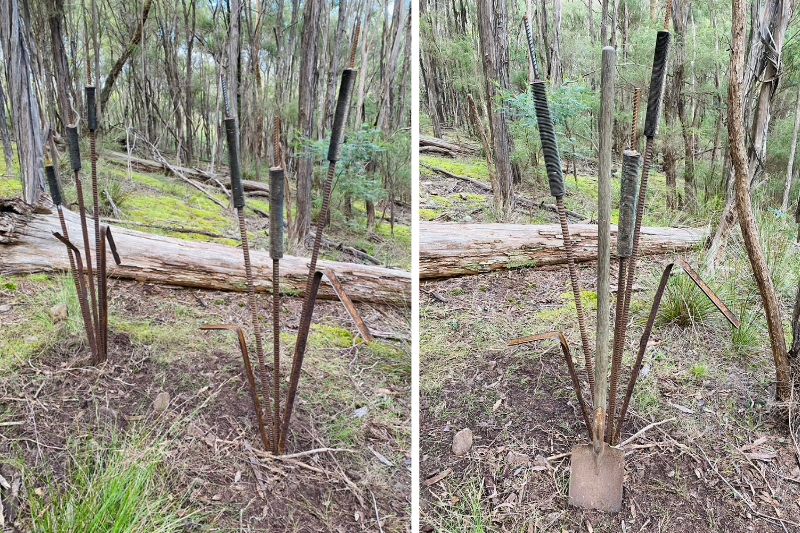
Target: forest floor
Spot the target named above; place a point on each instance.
(721, 457)
(165, 428)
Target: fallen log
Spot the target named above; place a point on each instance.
(437, 146)
(27, 246)
(451, 250)
(148, 165)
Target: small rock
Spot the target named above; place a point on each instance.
(514, 459)
(59, 312)
(361, 412)
(5, 308)
(462, 442)
(161, 402)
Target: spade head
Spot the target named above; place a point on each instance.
(595, 480)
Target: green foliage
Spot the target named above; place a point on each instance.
(121, 488)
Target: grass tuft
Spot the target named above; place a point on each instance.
(121, 488)
(684, 304)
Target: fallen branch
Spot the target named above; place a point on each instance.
(148, 165)
(520, 200)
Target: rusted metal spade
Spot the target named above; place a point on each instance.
(597, 469)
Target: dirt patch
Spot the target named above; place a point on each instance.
(214, 457)
(718, 439)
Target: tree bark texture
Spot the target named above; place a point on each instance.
(493, 30)
(24, 101)
(742, 175)
(27, 246)
(450, 250)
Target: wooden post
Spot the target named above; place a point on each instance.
(604, 238)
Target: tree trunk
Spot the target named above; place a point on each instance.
(493, 30)
(763, 66)
(308, 78)
(120, 63)
(27, 246)
(5, 136)
(448, 250)
(24, 101)
(792, 151)
(742, 176)
(66, 95)
(190, 20)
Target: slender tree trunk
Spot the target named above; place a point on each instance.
(24, 101)
(132, 46)
(792, 151)
(190, 20)
(764, 66)
(742, 175)
(307, 97)
(493, 30)
(5, 136)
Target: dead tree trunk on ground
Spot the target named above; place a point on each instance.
(27, 245)
(448, 250)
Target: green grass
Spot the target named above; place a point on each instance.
(121, 488)
(32, 330)
(684, 304)
(467, 514)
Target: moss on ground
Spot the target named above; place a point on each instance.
(467, 167)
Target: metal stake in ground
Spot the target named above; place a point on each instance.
(334, 153)
(77, 277)
(654, 102)
(75, 159)
(276, 252)
(91, 123)
(238, 202)
(631, 163)
(597, 470)
(555, 177)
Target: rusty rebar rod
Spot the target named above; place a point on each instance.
(237, 189)
(251, 381)
(91, 122)
(334, 153)
(77, 277)
(555, 178)
(75, 159)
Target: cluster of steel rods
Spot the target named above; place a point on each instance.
(632, 207)
(597, 470)
(274, 425)
(91, 281)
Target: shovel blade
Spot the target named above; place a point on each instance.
(595, 480)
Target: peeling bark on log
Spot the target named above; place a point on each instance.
(432, 145)
(451, 250)
(148, 165)
(27, 246)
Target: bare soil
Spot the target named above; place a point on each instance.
(214, 459)
(721, 458)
